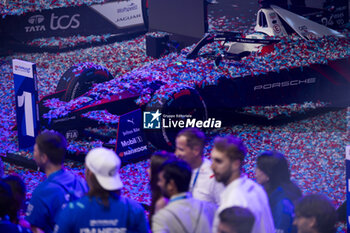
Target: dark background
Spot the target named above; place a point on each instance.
(186, 18)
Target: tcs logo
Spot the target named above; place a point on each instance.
(64, 22)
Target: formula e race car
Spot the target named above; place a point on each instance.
(272, 23)
(186, 85)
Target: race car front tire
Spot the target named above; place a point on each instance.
(78, 79)
(182, 105)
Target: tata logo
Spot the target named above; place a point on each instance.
(64, 22)
(34, 21)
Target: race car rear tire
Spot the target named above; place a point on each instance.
(185, 102)
(78, 79)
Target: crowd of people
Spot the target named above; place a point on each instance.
(190, 193)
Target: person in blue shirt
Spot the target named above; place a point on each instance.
(1, 168)
(60, 187)
(103, 209)
(6, 202)
(270, 175)
(18, 189)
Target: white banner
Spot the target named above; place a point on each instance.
(23, 68)
(122, 14)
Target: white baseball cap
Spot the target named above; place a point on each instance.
(105, 164)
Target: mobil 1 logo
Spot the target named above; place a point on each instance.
(131, 142)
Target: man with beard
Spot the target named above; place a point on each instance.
(183, 213)
(227, 159)
(189, 147)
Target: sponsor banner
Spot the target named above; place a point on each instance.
(23, 68)
(109, 18)
(131, 142)
(27, 111)
(347, 161)
(122, 14)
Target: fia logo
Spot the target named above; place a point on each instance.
(72, 134)
(151, 120)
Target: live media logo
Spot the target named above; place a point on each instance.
(151, 120)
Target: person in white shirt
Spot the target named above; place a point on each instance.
(189, 147)
(183, 214)
(227, 159)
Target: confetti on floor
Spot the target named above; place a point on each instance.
(315, 147)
